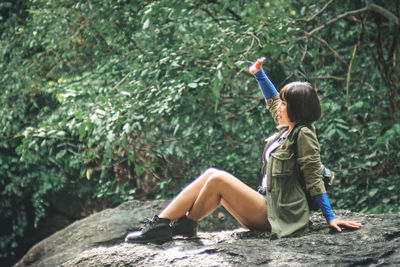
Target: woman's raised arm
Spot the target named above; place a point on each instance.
(267, 88)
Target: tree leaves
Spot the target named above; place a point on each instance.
(143, 96)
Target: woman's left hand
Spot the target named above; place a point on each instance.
(256, 66)
(335, 224)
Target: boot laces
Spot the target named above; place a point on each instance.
(148, 223)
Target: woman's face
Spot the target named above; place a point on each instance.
(283, 118)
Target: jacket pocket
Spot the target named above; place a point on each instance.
(283, 163)
(294, 211)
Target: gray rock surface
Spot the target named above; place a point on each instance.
(98, 241)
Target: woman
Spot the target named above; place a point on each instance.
(282, 208)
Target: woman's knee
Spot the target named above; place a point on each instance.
(203, 178)
(210, 171)
(218, 178)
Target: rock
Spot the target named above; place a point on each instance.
(98, 241)
(105, 227)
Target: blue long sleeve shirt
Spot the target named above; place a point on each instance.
(325, 207)
(266, 86)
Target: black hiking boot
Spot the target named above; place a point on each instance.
(156, 230)
(184, 226)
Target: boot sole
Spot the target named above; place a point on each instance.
(161, 238)
(145, 241)
(185, 234)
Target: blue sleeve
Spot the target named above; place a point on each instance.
(326, 209)
(267, 88)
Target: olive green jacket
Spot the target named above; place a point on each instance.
(288, 210)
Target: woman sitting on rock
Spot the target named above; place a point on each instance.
(281, 207)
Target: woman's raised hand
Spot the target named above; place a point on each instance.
(256, 66)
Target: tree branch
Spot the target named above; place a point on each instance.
(324, 77)
(254, 37)
(318, 13)
(236, 16)
(370, 7)
(384, 12)
(305, 50)
(348, 80)
(346, 14)
(208, 11)
(336, 54)
(121, 81)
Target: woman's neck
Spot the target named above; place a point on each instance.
(291, 126)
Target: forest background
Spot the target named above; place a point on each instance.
(107, 101)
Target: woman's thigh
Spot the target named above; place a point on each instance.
(244, 203)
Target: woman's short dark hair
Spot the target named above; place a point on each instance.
(303, 104)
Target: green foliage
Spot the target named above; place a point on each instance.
(115, 100)
(356, 74)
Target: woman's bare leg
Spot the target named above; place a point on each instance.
(184, 201)
(245, 204)
(233, 213)
(214, 187)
